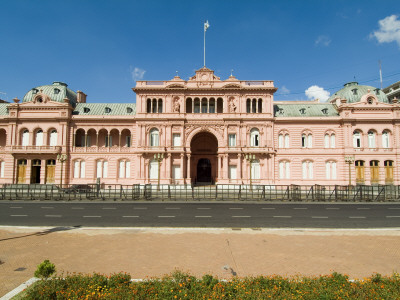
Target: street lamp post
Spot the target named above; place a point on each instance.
(62, 158)
(158, 157)
(250, 158)
(349, 159)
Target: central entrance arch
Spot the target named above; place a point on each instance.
(204, 165)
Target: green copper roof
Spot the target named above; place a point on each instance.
(4, 109)
(57, 92)
(105, 109)
(305, 110)
(353, 93)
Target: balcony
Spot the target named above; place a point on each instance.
(35, 149)
(95, 149)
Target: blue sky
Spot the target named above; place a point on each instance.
(102, 47)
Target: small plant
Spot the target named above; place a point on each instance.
(45, 269)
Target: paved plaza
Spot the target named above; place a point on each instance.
(150, 252)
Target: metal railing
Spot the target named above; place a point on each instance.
(220, 192)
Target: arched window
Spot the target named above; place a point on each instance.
(281, 141)
(25, 138)
(307, 169)
(189, 105)
(306, 140)
(259, 105)
(79, 168)
(154, 138)
(39, 138)
(357, 139)
(254, 106)
(330, 140)
(124, 169)
(333, 140)
(148, 105)
(371, 139)
(284, 170)
(160, 106)
(154, 108)
(53, 138)
(330, 170)
(102, 169)
(196, 105)
(385, 139)
(248, 106)
(211, 108)
(254, 138)
(204, 105)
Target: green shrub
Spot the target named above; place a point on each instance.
(45, 269)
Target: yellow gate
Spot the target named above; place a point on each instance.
(50, 170)
(21, 171)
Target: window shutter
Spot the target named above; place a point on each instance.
(287, 164)
(326, 141)
(280, 141)
(309, 140)
(99, 169)
(328, 170)
(287, 141)
(121, 169)
(127, 169)
(281, 170)
(83, 172)
(333, 141)
(310, 170)
(333, 170)
(76, 169)
(2, 164)
(105, 169)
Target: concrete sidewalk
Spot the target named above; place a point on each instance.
(146, 252)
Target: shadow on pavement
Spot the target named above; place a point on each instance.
(44, 232)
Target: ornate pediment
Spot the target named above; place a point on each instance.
(204, 75)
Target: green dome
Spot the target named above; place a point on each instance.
(57, 92)
(353, 93)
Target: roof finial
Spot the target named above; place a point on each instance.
(177, 74)
(231, 72)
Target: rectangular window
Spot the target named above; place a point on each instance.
(2, 164)
(287, 164)
(121, 169)
(99, 169)
(286, 141)
(328, 170)
(309, 140)
(232, 172)
(303, 141)
(105, 169)
(333, 141)
(176, 172)
(127, 169)
(76, 169)
(232, 140)
(281, 170)
(176, 139)
(82, 169)
(280, 141)
(326, 144)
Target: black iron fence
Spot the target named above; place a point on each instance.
(221, 192)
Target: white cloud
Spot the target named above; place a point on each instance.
(137, 73)
(316, 92)
(323, 40)
(389, 30)
(284, 90)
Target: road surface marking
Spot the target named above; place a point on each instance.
(203, 207)
(166, 216)
(241, 216)
(140, 208)
(235, 207)
(300, 208)
(53, 216)
(172, 208)
(202, 216)
(47, 207)
(392, 216)
(267, 207)
(130, 216)
(77, 208)
(332, 208)
(92, 216)
(18, 215)
(363, 208)
(357, 217)
(15, 206)
(393, 207)
(108, 208)
(319, 217)
(282, 216)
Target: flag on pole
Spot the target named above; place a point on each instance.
(206, 25)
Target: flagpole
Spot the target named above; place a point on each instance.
(204, 46)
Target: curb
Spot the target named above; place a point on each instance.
(19, 289)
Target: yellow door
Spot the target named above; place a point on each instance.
(21, 171)
(388, 171)
(360, 171)
(374, 165)
(50, 170)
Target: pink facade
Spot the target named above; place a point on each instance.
(200, 130)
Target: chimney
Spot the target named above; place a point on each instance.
(81, 97)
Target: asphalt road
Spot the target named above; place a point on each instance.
(236, 215)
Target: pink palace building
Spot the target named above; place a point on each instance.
(201, 130)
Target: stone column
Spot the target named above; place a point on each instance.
(182, 173)
(219, 167)
(225, 173)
